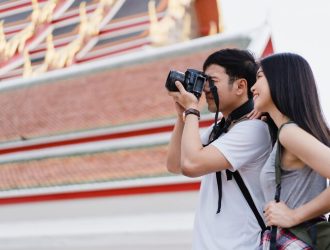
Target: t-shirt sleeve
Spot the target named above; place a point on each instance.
(245, 143)
(205, 134)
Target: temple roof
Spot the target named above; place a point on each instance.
(88, 122)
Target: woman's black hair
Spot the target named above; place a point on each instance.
(294, 92)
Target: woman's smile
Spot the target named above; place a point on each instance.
(255, 96)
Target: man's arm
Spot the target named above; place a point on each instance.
(174, 148)
(197, 160)
(186, 153)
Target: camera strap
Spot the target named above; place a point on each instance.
(235, 116)
(214, 92)
(222, 127)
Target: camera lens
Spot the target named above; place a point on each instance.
(172, 77)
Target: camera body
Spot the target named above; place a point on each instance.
(192, 80)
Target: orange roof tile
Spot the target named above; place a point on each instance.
(78, 169)
(103, 99)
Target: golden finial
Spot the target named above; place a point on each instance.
(47, 12)
(50, 53)
(35, 11)
(213, 28)
(220, 24)
(3, 40)
(186, 30)
(175, 26)
(27, 70)
(24, 35)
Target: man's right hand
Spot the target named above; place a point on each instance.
(179, 109)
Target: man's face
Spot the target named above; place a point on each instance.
(225, 90)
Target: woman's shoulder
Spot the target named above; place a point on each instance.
(291, 130)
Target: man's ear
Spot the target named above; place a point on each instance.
(241, 86)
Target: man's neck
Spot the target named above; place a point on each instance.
(237, 105)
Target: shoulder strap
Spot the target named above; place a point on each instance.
(278, 173)
(278, 157)
(249, 199)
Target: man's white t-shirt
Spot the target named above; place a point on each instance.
(246, 146)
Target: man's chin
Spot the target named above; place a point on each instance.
(212, 109)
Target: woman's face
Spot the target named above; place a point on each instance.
(261, 93)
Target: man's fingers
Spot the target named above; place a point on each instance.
(179, 86)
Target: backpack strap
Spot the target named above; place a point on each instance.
(278, 173)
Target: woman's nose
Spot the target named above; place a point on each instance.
(252, 88)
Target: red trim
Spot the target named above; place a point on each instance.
(102, 32)
(18, 6)
(176, 187)
(110, 136)
(12, 31)
(73, 15)
(44, 49)
(269, 48)
(112, 29)
(58, 45)
(90, 58)
(19, 29)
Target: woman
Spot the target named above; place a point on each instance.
(286, 90)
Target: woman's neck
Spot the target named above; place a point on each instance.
(278, 117)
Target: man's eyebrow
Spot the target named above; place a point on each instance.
(212, 77)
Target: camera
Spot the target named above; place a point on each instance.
(192, 80)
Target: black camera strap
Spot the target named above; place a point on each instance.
(214, 92)
(235, 116)
(223, 127)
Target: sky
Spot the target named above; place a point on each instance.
(298, 26)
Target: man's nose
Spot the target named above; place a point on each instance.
(206, 87)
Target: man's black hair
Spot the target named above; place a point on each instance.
(237, 63)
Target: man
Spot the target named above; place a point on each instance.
(224, 219)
